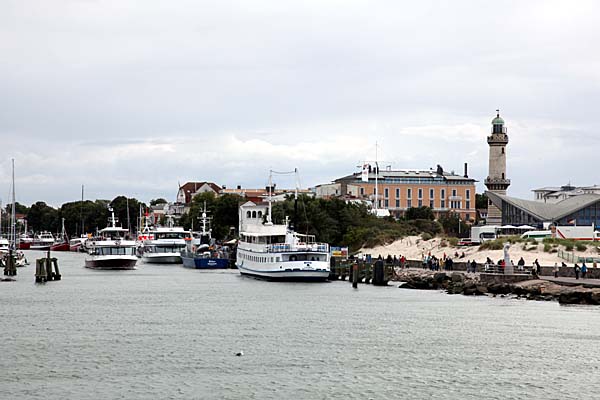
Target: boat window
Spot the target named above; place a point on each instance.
(260, 214)
(248, 214)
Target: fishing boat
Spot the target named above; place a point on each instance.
(203, 252)
(63, 245)
(78, 244)
(112, 249)
(165, 244)
(275, 251)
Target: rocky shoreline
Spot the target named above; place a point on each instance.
(471, 285)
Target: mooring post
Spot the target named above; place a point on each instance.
(56, 273)
(355, 276)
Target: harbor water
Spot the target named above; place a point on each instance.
(167, 332)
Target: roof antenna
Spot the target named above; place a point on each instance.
(497, 112)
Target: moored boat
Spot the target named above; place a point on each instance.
(165, 245)
(63, 245)
(77, 244)
(112, 249)
(42, 241)
(203, 252)
(275, 251)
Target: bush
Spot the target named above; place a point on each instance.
(454, 241)
(547, 247)
(581, 247)
(497, 244)
(426, 236)
(569, 247)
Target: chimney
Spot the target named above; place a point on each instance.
(466, 174)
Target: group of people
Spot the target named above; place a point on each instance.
(434, 263)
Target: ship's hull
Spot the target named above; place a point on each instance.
(60, 247)
(111, 263)
(286, 271)
(24, 245)
(205, 263)
(161, 258)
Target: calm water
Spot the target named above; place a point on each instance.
(168, 332)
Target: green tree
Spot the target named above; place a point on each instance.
(120, 205)
(222, 210)
(481, 201)
(423, 212)
(160, 200)
(42, 217)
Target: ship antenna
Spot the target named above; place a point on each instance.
(269, 220)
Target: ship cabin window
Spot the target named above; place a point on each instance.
(253, 214)
(260, 214)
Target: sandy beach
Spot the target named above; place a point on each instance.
(413, 248)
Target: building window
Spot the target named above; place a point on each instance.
(431, 194)
(386, 203)
(443, 198)
(409, 193)
(467, 216)
(362, 191)
(468, 204)
(420, 193)
(453, 192)
(397, 203)
(420, 203)
(397, 193)
(386, 192)
(468, 194)
(408, 203)
(375, 190)
(503, 150)
(431, 204)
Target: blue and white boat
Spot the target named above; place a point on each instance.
(203, 252)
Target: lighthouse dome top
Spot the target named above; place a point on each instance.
(498, 120)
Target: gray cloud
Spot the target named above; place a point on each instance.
(131, 97)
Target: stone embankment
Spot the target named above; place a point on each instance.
(470, 285)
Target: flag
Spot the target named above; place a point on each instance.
(365, 173)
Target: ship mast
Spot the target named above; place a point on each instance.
(269, 220)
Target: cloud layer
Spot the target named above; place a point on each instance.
(131, 97)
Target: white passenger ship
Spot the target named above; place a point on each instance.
(112, 249)
(275, 252)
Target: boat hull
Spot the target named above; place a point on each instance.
(166, 258)
(24, 245)
(287, 273)
(60, 247)
(111, 263)
(205, 263)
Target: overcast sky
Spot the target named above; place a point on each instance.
(132, 97)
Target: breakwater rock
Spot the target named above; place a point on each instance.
(470, 285)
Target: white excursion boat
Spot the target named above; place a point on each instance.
(43, 241)
(112, 249)
(165, 245)
(276, 252)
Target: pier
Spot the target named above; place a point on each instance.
(378, 273)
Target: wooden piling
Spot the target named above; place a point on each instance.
(355, 276)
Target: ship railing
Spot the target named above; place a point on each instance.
(310, 247)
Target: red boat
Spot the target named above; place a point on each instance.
(64, 245)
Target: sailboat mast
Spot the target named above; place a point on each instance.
(13, 219)
(81, 212)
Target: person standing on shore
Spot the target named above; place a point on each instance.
(473, 266)
(521, 264)
(576, 267)
(555, 270)
(583, 270)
